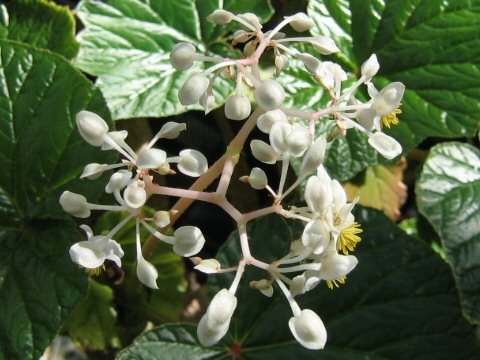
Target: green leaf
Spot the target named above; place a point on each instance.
(399, 303)
(3, 21)
(142, 303)
(93, 321)
(42, 24)
(41, 150)
(447, 195)
(41, 154)
(127, 44)
(39, 286)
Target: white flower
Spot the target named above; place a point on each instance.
(93, 252)
(316, 236)
(214, 324)
(118, 181)
(308, 329)
(335, 266)
(92, 127)
(192, 163)
(385, 145)
(75, 204)
(189, 240)
(269, 95)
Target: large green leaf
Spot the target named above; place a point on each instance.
(127, 44)
(39, 286)
(399, 303)
(41, 150)
(42, 24)
(41, 154)
(430, 46)
(448, 193)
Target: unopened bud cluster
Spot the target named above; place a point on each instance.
(323, 252)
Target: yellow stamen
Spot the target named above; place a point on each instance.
(95, 272)
(391, 119)
(337, 282)
(337, 220)
(348, 238)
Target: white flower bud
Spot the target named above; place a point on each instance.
(308, 329)
(281, 63)
(311, 63)
(297, 287)
(316, 236)
(324, 44)
(264, 286)
(250, 47)
(240, 36)
(269, 95)
(257, 178)
(263, 152)
(314, 156)
(220, 17)
(192, 163)
(268, 119)
(161, 218)
(135, 196)
(214, 324)
(92, 127)
(151, 158)
(189, 241)
(193, 89)
(182, 56)
(318, 194)
(74, 204)
(93, 171)
(291, 139)
(370, 67)
(207, 100)
(118, 181)
(237, 107)
(298, 141)
(208, 266)
(279, 137)
(252, 19)
(171, 130)
(300, 22)
(385, 145)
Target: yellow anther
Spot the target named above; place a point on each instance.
(97, 271)
(391, 119)
(336, 283)
(348, 238)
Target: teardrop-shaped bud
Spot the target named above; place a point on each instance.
(269, 95)
(161, 218)
(193, 89)
(182, 56)
(268, 119)
(240, 36)
(264, 286)
(281, 63)
(135, 196)
(237, 107)
(311, 63)
(257, 178)
(171, 130)
(308, 329)
(92, 127)
(151, 158)
(314, 156)
(301, 22)
(298, 140)
(263, 152)
(252, 19)
(297, 287)
(74, 204)
(192, 163)
(118, 181)
(324, 44)
(220, 17)
(385, 145)
(370, 67)
(208, 266)
(279, 137)
(189, 241)
(93, 171)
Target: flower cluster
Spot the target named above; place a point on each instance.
(330, 234)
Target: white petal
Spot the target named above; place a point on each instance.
(221, 309)
(208, 266)
(279, 137)
(220, 17)
(74, 204)
(151, 158)
(147, 273)
(114, 252)
(298, 141)
(171, 130)
(318, 195)
(135, 196)
(192, 163)
(309, 330)
(314, 156)
(301, 22)
(193, 89)
(297, 287)
(316, 236)
(118, 181)
(269, 95)
(385, 145)
(237, 107)
(339, 195)
(263, 152)
(161, 218)
(116, 136)
(189, 241)
(257, 178)
(370, 67)
(335, 266)
(84, 254)
(268, 119)
(325, 45)
(207, 336)
(93, 171)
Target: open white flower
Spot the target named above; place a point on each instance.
(93, 252)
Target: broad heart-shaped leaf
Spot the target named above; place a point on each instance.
(448, 193)
(400, 302)
(127, 44)
(430, 46)
(42, 24)
(162, 305)
(39, 286)
(42, 152)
